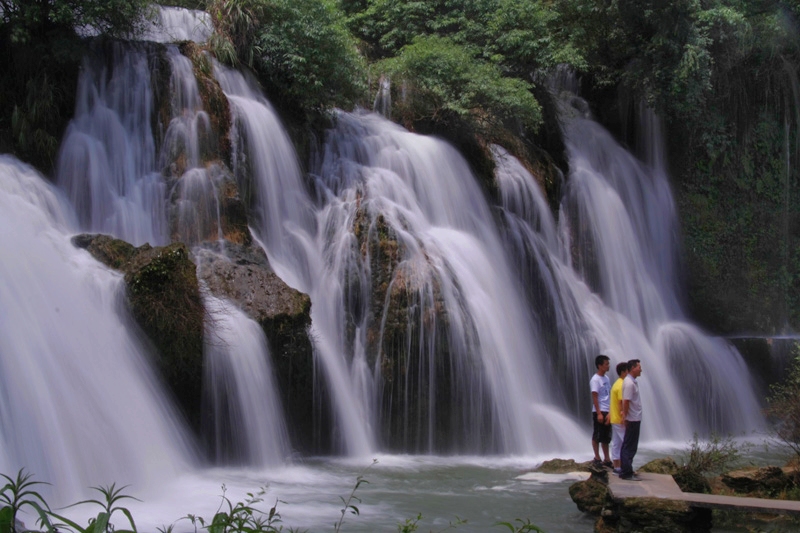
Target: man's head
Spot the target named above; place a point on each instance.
(622, 369)
(602, 362)
(635, 368)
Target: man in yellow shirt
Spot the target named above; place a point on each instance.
(615, 414)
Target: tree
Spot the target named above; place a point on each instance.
(41, 43)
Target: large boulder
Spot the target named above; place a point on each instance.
(243, 275)
(164, 299)
(590, 495)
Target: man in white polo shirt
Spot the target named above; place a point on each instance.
(632, 418)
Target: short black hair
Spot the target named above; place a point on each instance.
(622, 367)
(632, 363)
(600, 359)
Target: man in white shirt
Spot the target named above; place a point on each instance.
(600, 386)
(632, 418)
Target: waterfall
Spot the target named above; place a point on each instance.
(441, 324)
(80, 406)
(107, 159)
(616, 292)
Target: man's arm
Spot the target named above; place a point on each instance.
(597, 406)
(626, 404)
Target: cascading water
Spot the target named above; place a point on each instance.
(80, 406)
(439, 324)
(247, 426)
(621, 296)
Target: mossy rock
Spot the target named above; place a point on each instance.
(655, 515)
(589, 495)
(164, 298)
(112, 252)
(663, 465)
(562, 466)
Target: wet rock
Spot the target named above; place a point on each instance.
(164, 298)
(562, 466)
(590, 495)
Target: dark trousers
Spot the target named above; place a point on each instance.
(629, 446)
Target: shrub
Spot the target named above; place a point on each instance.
(783, 406)
(300, 49)
(439, 76)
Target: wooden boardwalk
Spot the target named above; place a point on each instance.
(664, 487)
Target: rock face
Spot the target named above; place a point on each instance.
(243, 275)
(164, 299)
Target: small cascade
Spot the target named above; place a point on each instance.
(80, 405)
(246, 425)
(176, 24)
(264, 159)
(383, 99)
(107, 160)
(189, 142)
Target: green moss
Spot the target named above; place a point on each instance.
(165, 301)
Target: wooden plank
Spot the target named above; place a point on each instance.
(664, 487)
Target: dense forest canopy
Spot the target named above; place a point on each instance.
(722, 75)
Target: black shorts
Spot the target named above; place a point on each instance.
(601, 433)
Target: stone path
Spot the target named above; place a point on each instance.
(664, 487)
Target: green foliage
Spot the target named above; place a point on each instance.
(713, 456)
(300, 49)
(16, 494)
(241, 517)
(439, 76)
(29, 21)
(524, 526)
(41, 51)
(102, 522)
(349, 506)
(783, 406)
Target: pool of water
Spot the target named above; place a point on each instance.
(481, 491)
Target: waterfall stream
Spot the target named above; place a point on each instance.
(442, 324)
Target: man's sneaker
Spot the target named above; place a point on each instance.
(608, 464)
(632, 477)
(598, 463)
(617, 471)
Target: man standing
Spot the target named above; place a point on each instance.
(601, 399)
(632, 417)
(615, 414)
